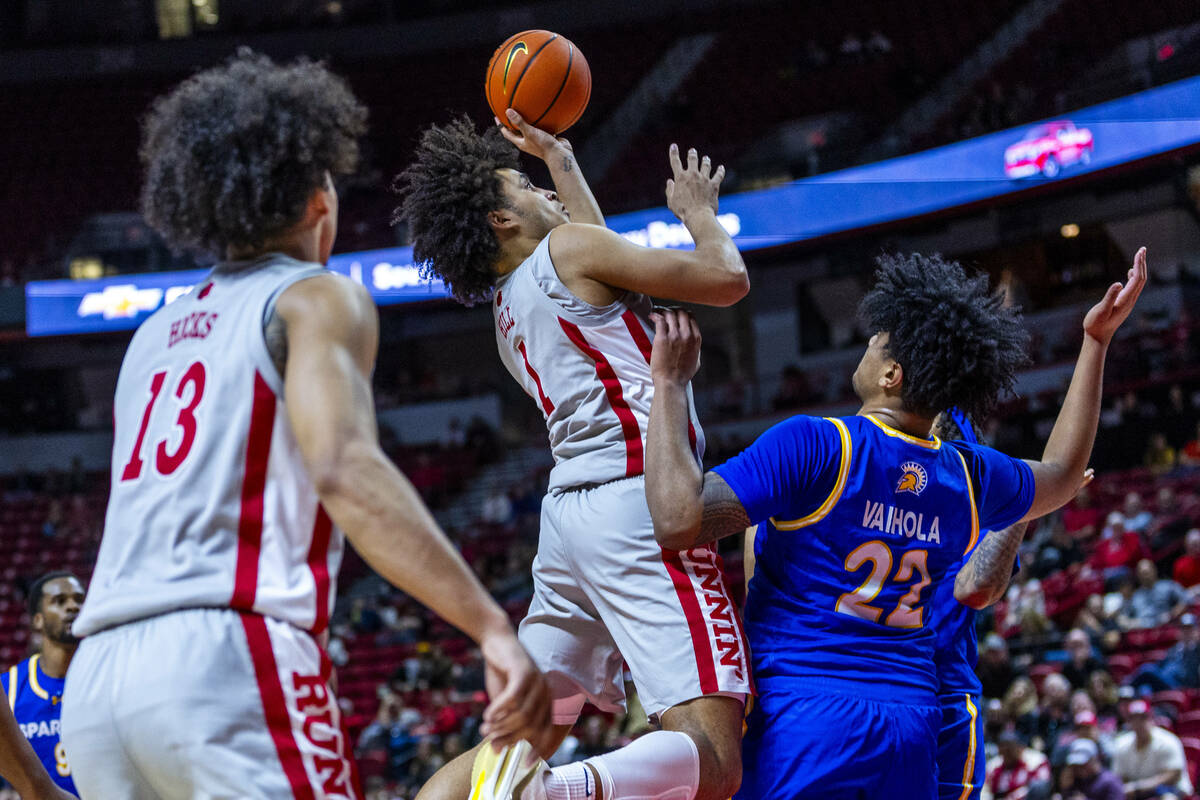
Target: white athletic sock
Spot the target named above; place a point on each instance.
(663, 765)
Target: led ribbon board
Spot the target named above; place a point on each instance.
(1142, 125)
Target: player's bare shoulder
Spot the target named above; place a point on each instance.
(328, 305)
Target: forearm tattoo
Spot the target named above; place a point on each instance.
(723, 511)
(568, 164)
(989, 568)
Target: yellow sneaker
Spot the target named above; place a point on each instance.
(506, 774)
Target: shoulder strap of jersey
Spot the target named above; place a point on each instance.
(11, 689)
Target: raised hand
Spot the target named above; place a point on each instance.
(1107, 315)
(693, 187)
(531, 140)
(675, 355)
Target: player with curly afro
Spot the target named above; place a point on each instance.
(863, 521)
(571, 305)
(245, 444)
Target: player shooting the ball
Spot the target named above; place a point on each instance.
(570, 300)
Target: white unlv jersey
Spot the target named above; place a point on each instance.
(586, 367)
(210, 504)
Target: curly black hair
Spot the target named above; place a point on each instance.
(232, 154)
(957, 342)
(446, 195)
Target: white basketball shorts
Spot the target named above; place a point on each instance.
(604, 591)
(204, 703)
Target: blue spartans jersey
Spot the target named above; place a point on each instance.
(860, 526)
(34, 699)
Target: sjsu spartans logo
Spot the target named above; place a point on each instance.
(912, 479)
(519, 47)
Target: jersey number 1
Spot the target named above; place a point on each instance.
(906, 614)
(165, 461)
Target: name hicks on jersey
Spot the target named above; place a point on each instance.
(36, 730)
(898, 522)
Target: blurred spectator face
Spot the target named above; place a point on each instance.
(995, 649)
(1079, 647)
(1166, 498)
(1056, 690)
(1192, 542)
(1011, 748)
(1147, 573)
(1140, 720)
(1115, 526)
(1095, 605)
(1133, 504)
(1081, 702)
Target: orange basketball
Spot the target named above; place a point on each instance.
(543, 76)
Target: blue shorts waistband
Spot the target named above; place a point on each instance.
(876, 691)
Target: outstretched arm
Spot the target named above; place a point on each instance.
(1069, 447)
(569, 184)
(689, 508)
(332, 335)
(20, 765)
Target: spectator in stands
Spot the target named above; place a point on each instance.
(1059, 550)
(1081, 660)
(1156, 602)
(1160, 456)
(851, 47)
(364, 617)
(497, 506)
(1180, 668)
(1187, 567)
(1104, 693)
(1026, 606)
(1100, 627)
(1081, 518)
(1021, 707)
(1017, 773)
(1189, 456)
(995, 670)
(1118, 549)
(1137, 518)
(1149, 760)
(1085, 777)
(878, 44)
(1054, 715)
(1118, 605)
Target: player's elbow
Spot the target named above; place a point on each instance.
(730, 289)
(675, 533)
(977, 598)
(339, 471)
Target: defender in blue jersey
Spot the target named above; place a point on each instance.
(33, 688)
(861, 519)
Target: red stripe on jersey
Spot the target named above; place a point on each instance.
(643, 344)
(616, 398)
(685, 590)
(547, 406)
(254, 483)
(275, 707)
(318, 563)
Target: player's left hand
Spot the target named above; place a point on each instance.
(675, 356)
(520, 697)
(1107, 315)
(531, 140)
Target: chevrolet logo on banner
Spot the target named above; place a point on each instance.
(120, 302)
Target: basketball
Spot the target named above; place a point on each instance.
(543, 76)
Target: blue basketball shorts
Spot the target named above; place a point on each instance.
(807, 742)
(962, 766)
